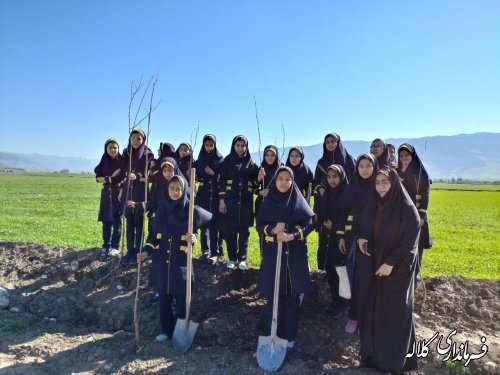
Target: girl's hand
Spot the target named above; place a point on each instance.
(131, 204)
(285, 237)
(141, 257)
(132, 176)
(264, 193)
(279, 228)
(362, 244)
(384, 270)
(422, 221)
(191, 239)
(209, 171)
(321, 191)
(101, 180)
(222, 207)
(328, 224)
(262, 173)
(342, 246)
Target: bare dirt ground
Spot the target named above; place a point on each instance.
(70, 317)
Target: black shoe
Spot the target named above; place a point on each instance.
(154, 298)
(104, 252)
(204, 256)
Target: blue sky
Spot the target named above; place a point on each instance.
(363, 69)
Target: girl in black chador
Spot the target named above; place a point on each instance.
(108, 174)
(207, 171)
(167, 244)
(236, 185)
(415, 180)
(303, 175)
(329, 221)
(285, 217)
(381, 152)
(385, 274)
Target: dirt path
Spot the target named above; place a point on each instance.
(71, 313)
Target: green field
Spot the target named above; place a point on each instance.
(58, 209)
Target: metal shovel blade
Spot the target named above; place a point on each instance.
(184, 333)
(271, 352)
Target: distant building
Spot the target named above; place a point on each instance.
(7, 170)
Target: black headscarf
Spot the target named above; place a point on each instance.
(415, 168)
(300, 171)
(186, 162)
(166, 150)
(327, 209)
(338, 156)
(383, 160)
(173, 215)
(289, 207)
(138, 163)
(269, 169)
(242, 162)
(212, 160)
(108, 165)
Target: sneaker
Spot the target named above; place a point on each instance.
(204, 256)
(161, 337)
(114, 252)
(290, 346)
(104, 252)
(231, 265)
(322, 275)
(212, 260)
(154, 298)
(351, 326)
(243, 266)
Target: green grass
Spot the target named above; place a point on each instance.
(57, 209)
(19, 326)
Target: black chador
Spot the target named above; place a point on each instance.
(291, 209)
(236, 185)
(135, 190)
(167, 244)
(207, 172)
(416, 181)
(303, 175)
(338, 156)
(327, 210)
(385, 303)
(382, 153)
(109, 209)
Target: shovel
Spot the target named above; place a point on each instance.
(185, 329)
(271, 350)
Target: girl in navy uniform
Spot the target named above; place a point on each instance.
(108, 174)
(166, 150)
(388, 242)
(136, 156)
(236, 185)
(303, 175)
(329, 218)
(379, 149)
(207, 171)
(167, 244)
(334, 152)
(184, 157)
(352, 202)
(416, 181)
(284, 217)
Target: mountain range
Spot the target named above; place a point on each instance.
(468, 156)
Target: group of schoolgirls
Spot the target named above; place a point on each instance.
(342, 189)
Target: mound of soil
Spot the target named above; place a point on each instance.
(71, 312)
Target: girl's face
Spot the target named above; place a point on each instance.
(331, 144)
(270, 157)
(175, 190)
(365, 168)
(167, 171)
(209, 146)
(377, 148)
(112, 149)
(295, 158)
(333, 178)
(240, 147)
(392, 153)
(283, 181)
(382, 184)
(136, 140)
(184, 151)
(405, 158)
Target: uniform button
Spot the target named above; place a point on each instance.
(167, 262)
(286, 252)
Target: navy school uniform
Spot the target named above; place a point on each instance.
(303, 175)
(135, 190)
(416, 181)
(339, 156)
(352, 202)
(110, 210)
(292, 209)
(385, 304)
(167, 244)
(207, 197)
(326, 207)
(236, 186)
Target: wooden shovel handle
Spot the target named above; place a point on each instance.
(189, 245)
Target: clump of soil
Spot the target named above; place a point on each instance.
(73, 312)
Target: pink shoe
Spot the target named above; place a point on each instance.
(351, 326)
